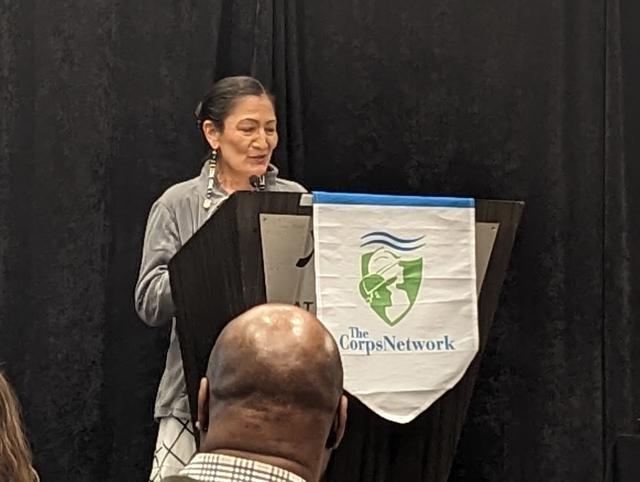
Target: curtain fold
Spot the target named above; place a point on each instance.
(621, 177)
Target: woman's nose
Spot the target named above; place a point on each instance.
(262, 140)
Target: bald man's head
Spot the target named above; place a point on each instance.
(276, 355)
(273, 391)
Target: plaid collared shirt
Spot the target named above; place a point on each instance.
(224, 468)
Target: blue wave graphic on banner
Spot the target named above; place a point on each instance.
(392, 237)
(387, 239)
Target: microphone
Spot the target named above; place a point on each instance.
(257, 183)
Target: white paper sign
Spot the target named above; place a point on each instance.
(287, 251)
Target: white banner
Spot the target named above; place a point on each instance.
(396, 286)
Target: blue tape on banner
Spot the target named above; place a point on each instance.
(320, 197)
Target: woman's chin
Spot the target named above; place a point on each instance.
(258, 169)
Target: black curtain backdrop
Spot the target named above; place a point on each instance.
(503, 99)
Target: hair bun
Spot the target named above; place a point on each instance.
(198, 113)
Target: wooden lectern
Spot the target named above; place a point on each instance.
(219, 274)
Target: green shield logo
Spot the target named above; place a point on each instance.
(390, 282)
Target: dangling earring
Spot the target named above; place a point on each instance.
(213, 159)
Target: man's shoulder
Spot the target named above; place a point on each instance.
(178, 478)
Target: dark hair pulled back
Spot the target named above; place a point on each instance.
(219, 101)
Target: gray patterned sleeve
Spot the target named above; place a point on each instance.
(153, 300)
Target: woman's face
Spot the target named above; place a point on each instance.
(249, 136)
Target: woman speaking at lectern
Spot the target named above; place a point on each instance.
(238, 122)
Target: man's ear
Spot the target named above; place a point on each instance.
(203, 404)
(211, 133)
(339, 424)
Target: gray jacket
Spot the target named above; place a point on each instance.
(173, 219)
